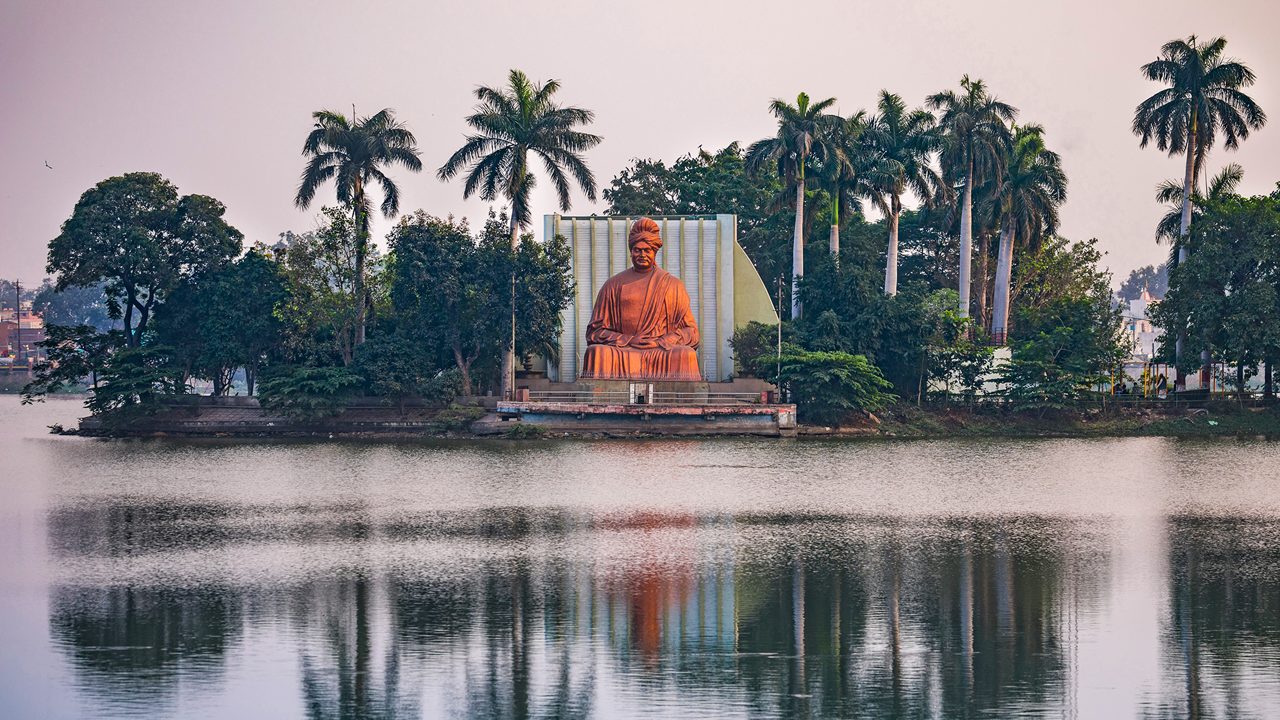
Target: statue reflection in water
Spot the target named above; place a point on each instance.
(760, 616)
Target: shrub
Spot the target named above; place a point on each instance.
(828, 387)
(308, 393)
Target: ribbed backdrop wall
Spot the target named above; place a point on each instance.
(698, 249)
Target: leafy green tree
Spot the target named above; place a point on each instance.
(72, 354)
(829, 387)
(800, 127)
(1032, 188)
(136, 237)
(73, 306)
(1068, 338)
(511, 123)
(393, 365)
(975, 136)
(451, 292)
(1225, 297)
(906, 141)
(353, 152)
(1153, 278)
(705, 183)
(133, 382)
(225, 321)
(321, 311)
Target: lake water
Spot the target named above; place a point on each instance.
(1126, 578)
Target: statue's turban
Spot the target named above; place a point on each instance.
(647, 230)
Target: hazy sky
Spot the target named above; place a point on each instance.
(217, 96)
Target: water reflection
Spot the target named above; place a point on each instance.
(549, 614)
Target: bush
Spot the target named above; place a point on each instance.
(444, 388)
(828, 387)
(308, 393)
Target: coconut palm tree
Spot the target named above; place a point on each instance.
(510, 123)
(1171, 192)
(353, 152)
(1032, 189)
(975, 142)
(800, 127)
(905, 141)
(1203, 97)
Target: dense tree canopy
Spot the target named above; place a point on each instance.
(135, 236)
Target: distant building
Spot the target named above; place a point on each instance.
(1141, 331)
(20, 331)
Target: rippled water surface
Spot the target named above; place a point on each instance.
(714, 579)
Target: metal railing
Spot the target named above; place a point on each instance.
(623, 397)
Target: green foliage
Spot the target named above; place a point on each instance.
(829, 387)
(755, 349)
(224, 320)
(308, 393)
(705, 183)
(1153, 278)
(320, 312)
(510, 122)
(72, 355)
(526, 431)
(444, 388)
(1068, 339)
(133, 381)
(393, 366)
(452, 293)
(73, 306)
(1226, 295)
(136, 237)
(952, 356)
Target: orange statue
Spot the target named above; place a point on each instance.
(641, 325)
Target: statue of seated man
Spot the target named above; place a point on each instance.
(642, 327)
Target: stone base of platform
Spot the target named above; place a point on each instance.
(771, 420)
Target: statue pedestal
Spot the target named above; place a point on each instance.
(653, 407)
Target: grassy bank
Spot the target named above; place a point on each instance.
(1218, 419)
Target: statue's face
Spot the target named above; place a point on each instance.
(642, 255)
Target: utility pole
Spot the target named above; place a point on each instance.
(17, 318)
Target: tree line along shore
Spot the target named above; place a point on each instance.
(898, 316)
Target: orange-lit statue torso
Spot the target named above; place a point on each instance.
(642, 327)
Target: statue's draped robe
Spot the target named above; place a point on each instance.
(642, 305)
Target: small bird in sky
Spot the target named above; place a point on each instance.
(46, 164)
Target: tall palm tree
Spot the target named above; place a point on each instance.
(975, 139)
(849, 170)
(1033, 187)
(800, 127)
(510, 123)
(353, 152)
(1171, 192)
(1203, 97)
(906, 141)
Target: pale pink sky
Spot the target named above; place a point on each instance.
(217, 96)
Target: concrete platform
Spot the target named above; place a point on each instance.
(770, 420)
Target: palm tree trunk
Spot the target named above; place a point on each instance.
(1268, 385)
(362, 242)
(1184, 228)
(984, 276)
(797, 250)
(834, 239)
(1004, 278)
(966, 240)
(891, 259)
(508, 354)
